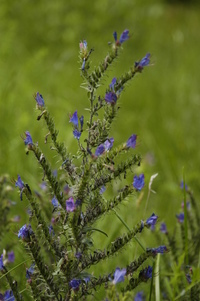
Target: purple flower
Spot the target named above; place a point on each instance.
(30, 271)
(108, 144)
(143, 62)
(119, 275)
(51, 230)
(111, 98)
(139, 296)
(163, 228)
(100, 150)
(70, 205)
(124, 36)
(77, 134)
(28, 140)
(74, 119)
(19, 183)
(1, 262)
(86, 279)
(151, 221)
(113, 82)
(146, 273)
(25, 232)
(180, 217)
(138, 182)
(182, 185)
(8, 296)
(78, 255)
(131, 141)
(55, 203)
(75, 283)
(161, 250)
(11, 256)
(102, 189)
(39, 99)
(43, 186)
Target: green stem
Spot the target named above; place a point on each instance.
(125, 224)
(185, 220)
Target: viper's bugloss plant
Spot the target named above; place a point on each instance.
(59, 237)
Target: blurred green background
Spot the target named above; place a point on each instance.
(39, 52)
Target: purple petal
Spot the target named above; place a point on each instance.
(111, 97)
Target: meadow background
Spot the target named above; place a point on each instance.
(39, 52)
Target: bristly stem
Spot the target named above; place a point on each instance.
(185, 220)
(54, 245)
(61, 149)
(48, 173)
(13, 285)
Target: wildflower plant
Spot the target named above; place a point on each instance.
(59, 240)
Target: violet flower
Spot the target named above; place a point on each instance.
(151, 221)
(143, 62)
(163, 228)
(25, 232)
(138, 182)
(39, 99)
(70, 205)
(111, 98)
(131, 142)
(28, 140)
(119, 275)
(180, 217)
(75, 283)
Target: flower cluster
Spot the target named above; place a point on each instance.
(77, 131)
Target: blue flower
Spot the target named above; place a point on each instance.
(143, 62)
(138, 182)
(77, 134)
(70, 205)
(28, 140)
(163, 228)
(119, 275)
(1, 262)
(182, 185)
(74, 119)
(8, 296)
(11, 256)
(75, 283)
(146, 273)
(39, 99)
(100, 150)
(113, 82)
(151, 221)
(180, 217)
(25, 232)
(102, 189)
(51, 230)
(19, 183)
(139, 296)
(55, 202)
(124, 37)
(131, 142)
(111, 98)
(30, 271)
(108, 144)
